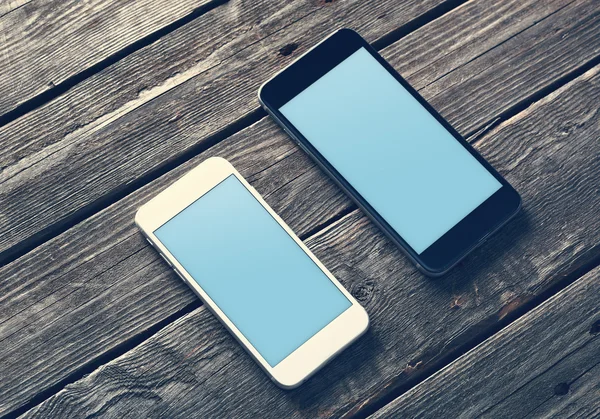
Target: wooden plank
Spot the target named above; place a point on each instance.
(582, 400)
(547, 363)
(184, 367)
(46, 42)
(231, 33)
(549, 152)
(86, 288)
(79, 173)
(64, 289)
(9, 5)
(178, 56)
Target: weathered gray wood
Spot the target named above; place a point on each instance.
(545, 363)
(549, 152)
(226, 38)
(9, 5)
(46, 294)
(511, 69)
(79, 295)
(80, 171)
(581, 401)
(127, 84)
(46, 42)
(569, 389)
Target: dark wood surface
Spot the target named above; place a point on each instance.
(59, 182)
(415, 321)
(158, 120)
(547, 363)
(294, 188)
(45, 43)
(88, 296)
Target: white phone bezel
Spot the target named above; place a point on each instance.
(314, 353)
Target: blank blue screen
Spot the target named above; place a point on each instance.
(398, 157)
(251, 268)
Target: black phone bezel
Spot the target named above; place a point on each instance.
(461, 239)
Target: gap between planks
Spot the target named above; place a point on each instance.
(212, 140)
(534, 363)
(103, 359)
(61, 224)
(62, 87)
(93, 207)
(373, 404)
(511, 317)
(550, 291)
(11, 5)
(476, 134)
(531, 100)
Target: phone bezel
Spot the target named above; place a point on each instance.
(461, 239)
(314, 353)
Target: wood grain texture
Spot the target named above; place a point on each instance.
(549, 152)
(46, 42)
(207, 87)
(80, 294)
(6, 6)
(547, 363)
(176, 57)
(62, 291)
(81, 171)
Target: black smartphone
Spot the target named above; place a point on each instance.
(401, 162)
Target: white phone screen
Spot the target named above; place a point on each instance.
(276, 296)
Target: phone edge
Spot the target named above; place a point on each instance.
(428, 272)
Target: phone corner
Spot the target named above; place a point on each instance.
(346, 31)
(421, 267)
(519, 205)
(137, 219)
(366, 322)
(260, 92)
(433, 274)
(512, 215)
(217, 161)
(287, 385)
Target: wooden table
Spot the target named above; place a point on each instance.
(104, 103)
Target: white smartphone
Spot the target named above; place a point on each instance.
(276, 298)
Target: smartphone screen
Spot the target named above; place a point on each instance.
(396, 155)
(267, 286)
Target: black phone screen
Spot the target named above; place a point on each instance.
(391, 149)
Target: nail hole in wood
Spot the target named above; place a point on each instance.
(288, 49)
(595, 329)
(561, 389)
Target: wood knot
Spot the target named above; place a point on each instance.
(326, 1)
(595, 329)
(357, 282)
(561, 389)
(363, 291)
(288, 49)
